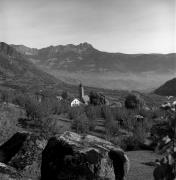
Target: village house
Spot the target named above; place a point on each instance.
(75, 102)
(82, 98)
(59, 98)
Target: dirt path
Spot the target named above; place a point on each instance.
(138, 170)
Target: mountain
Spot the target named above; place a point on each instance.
(75, 63)
(167, 89)
(16, 71)
(25, 50)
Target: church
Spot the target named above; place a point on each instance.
(82, 98)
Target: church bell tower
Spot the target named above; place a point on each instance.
(81, 91)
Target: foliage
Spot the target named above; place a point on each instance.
(64, 95)
(33, 110)
(4, 96)
(20, 100)
(8, 122)
(112, 128)
(106, 113)
(129, 143)
(49, 127)
(97, 98)
(81, 124)
(76, 111)
(131, 101)
(91, 112)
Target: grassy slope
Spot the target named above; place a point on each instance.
(138, 170)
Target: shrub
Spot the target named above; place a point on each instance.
(91, 112)
(49, 127)
(131, 101)
(20, 100)
(112, 127)
(5, 96)
(63, 107)
(97, 98)
(106, 113)
(50, 105)
(91, 124)
(157, 113)
(76, 111)
(33, 110)
(8, 122)
(80, 124)
(121, 115)
(129, 143)
(64, 95)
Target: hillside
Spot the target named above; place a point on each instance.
(75, 63)
(17, 72)
(167, 89)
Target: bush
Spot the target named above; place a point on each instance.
(91, 112)
(8, 122)
(81, 124)
(63, 107)
(97, 98)
(131, 101)
(20, 100)
(5, 96)
(76, 111)
(64, 95)
(49, 127)
(157, 113)
(106, 113)
(129, 143)
(112, 128)
(34, 111)
(120, 115)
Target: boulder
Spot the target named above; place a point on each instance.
(80, 157)
(7, 172)
(21, 150)
(11, 147)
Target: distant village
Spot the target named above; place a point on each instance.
(81, 98)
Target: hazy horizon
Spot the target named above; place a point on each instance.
(124, 26)
(76, 44)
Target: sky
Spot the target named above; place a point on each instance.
(127, 26)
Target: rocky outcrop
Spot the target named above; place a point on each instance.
(79, 157)
(21, 150)
(8, 173)
(11, 147)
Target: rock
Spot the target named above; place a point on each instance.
(7, 172)
(21, 150)
(11, 147)
(79, 157)
(29, 152)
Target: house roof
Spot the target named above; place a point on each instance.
(75, 99)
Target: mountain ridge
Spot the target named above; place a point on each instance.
(17, 71)
(88, 45)
(109, 70)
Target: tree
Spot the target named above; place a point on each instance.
(81, 124)
(97, 98)
(4, 97)
(131, 101)
(64, 95)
